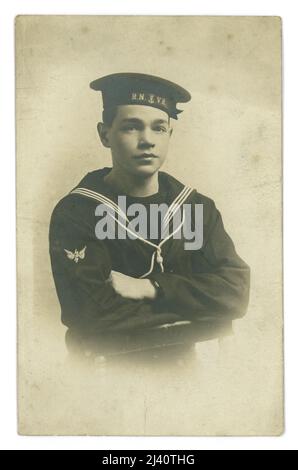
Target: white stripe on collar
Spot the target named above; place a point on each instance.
(175, 205)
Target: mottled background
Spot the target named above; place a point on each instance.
(227, 144)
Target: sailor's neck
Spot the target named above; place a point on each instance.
(132, 185)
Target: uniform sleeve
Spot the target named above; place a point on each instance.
(218, 286)
(81, 267)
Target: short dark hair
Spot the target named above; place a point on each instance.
(108, 115)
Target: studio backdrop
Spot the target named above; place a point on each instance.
(226, 144)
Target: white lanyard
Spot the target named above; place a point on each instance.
(176, 204)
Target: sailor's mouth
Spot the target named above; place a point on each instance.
(145, 156)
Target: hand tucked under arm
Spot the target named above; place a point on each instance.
(131, 287)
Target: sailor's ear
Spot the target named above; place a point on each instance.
(103, 132)
(171, 131)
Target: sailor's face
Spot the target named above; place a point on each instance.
(139, 138)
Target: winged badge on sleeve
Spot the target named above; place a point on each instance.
(76, 255)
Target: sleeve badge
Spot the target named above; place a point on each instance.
(76, 255)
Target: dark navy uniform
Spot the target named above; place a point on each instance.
(207, 287)
(200, 291)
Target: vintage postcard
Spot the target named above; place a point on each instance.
(149, 225)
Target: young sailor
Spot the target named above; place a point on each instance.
(123, 289)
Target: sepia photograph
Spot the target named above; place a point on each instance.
(149, 225)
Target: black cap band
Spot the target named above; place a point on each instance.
(147, 90)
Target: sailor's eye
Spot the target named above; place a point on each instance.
(130, 127)
(160, 129)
